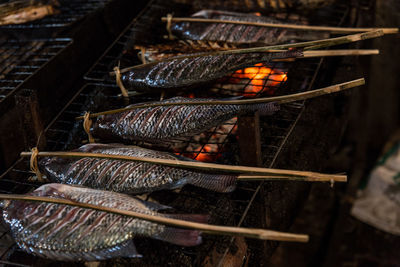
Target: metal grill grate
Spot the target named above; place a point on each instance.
(227, 209)
(21, 59)
(69, 12)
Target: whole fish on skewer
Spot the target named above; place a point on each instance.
(194, 70)
(129, 176)
(170, 119)
(258, 5)
(239, 34)
(159, 52)
(69, 233)
(22, 11)
(165, 123)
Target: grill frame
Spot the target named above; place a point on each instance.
(251, 190)
(41, 55)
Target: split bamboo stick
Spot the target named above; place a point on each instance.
(285, 26)
(342, 52)
(277, 99)
(206, 228)
(310, 45)
(271, 173)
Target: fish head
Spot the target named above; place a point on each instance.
(52, 190)
(53, 168)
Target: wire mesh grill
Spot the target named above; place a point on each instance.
(21, 59)
(225, 209)
(69, 11)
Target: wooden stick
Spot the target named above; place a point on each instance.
(310, 176)
(341, 52)
(312, 53)
(277, 99)
(337, 178)
(310, 45)
(206, 228)
(286, 26)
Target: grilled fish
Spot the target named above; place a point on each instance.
(128, 176)
(192, 71)
(17, 12)
(158, 52)
(239, 34)
(68, 233)
(163, 123)
(257, 5)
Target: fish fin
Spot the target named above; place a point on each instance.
(215, 182)
(199, 218)
(130, 251)
(265, 109)
(154, 206)
(181, 237)
(232, 98)
(124, 250)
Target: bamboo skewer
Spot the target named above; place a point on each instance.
(319, 53)
(341, 52)
(271, 173)
(206, 228)
(335, 178)
(277, 99)
(285, 26)
(310, 45)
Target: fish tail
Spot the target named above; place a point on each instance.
(215, 182)
(199, 218)
(265, 109)
(181, 237)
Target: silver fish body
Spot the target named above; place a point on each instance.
(129, 176)
(164, 123)
(239, 34)
(182, 73)
(257, 5)
(68, 233)
(158, 52)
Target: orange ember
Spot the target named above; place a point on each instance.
(204, 153)
(214, 147)
(261, 78)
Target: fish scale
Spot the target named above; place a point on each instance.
(258, 5)
(239, 34)
(64, 232)
(128, 176)
(170, 123)
(198, 69)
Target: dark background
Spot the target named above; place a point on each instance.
(336, 238)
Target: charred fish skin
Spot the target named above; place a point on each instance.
(258, 5)
(18, 12)
(238, 34)
(128, 176)
(69, 233)
(158, 52)
(231, 33)
(189, 72)
(166, 123)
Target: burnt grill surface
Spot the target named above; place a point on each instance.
(69, 12)
(21, 59)
(238, 208)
